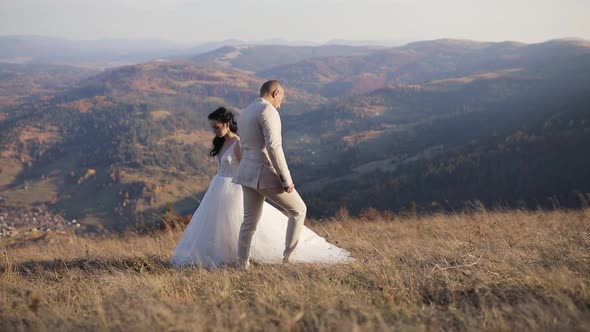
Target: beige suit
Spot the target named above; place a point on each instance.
(263, 172)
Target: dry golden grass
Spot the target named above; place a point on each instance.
(505, 271)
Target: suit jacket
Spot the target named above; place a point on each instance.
(263, 163)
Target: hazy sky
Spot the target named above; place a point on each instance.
(194, 21)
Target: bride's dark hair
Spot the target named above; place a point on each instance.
(222, 115)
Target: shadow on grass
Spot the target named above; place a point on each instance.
(151, 264)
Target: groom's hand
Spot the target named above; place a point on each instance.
(289, 189)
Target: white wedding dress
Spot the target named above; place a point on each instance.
(211, 237)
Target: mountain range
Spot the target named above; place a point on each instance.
(432, 124)
(116, 52)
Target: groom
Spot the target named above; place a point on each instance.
(263, 171)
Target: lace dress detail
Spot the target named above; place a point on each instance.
(228, 163)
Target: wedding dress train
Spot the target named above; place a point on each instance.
(211, 238)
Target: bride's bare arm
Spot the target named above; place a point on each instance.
(238, 151)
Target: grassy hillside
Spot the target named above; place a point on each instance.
(508, 270)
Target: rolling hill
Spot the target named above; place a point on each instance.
(125, 141)
(428, 122)
(513, 136)
(419, 62)
(95, 54)
(26, 83)
(258, 58)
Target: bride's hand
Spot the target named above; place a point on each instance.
(290, 188)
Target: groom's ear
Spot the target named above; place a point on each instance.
(275, 93)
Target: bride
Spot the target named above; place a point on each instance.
(211, 238)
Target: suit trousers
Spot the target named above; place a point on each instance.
(291, 203)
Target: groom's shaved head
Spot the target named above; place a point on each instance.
(269, 86)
